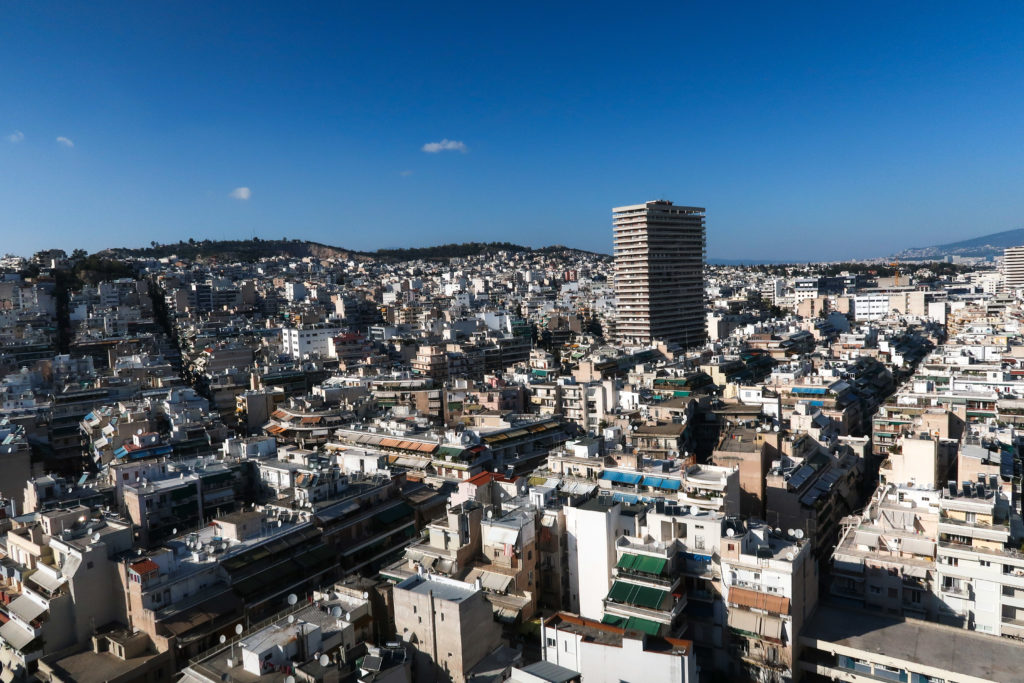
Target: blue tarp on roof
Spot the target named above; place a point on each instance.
(621, 477)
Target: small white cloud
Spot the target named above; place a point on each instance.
(242, 193)
(445, 145)
(405, 174)
(65, 141)
(16, 136)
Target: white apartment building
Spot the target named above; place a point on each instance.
(305, 341)
(770, 585)
(603, 653)
(591, 530)
(1013, 268)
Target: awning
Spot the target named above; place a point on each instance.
(642, 563)
(918, 546)
(743, 620)
(15, 635)
(26, 608)
(647, 626)
(621, 477)
(641, 596)
(916, 572)
(868, 538)
(744, 597)
(771, 627)
(503, 534)
(46, 580)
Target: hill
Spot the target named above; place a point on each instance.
(255, 249)
(984, 246)
(233, 250)
(445, 251)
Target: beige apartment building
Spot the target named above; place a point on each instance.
(659, 273)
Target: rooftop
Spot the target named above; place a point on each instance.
(956, 650)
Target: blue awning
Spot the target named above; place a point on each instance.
(621, 477)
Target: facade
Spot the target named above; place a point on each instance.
(449, 623)
(1013, 268)
(602, 652)
(659, 278)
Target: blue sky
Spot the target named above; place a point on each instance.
(810, 131)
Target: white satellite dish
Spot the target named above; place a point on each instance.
(336, 612)
(324, 660)
(799, 533)
(730, 532)
(96, 537)
(291, 618)
(223, 639)
(790, 556)
(290, 679)
(139, 430)
(292, 598)
(791, 532)
(238, 629)
(174, 531)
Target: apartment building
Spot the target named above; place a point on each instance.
(605, 653)
(449, 623)
(659, 279)
(770, 584)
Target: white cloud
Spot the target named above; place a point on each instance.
(405, 174)
(16, 136)
(445, 145)
(242, 193)
(65, 141)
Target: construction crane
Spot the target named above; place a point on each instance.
(896, 275)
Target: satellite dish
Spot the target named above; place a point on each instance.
(348, 616)
(730, 532)
(324, 660)
(138, 431)
(290, 679)
(291, 618)
(799, 533)
(238, 629)
(96, 537)
(336, 612)
(791, 532)
(790, 556)
(174, 531)
(292, 598)
(223, 639)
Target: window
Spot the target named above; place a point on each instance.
(550, 642)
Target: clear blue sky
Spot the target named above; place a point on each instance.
(809, 131)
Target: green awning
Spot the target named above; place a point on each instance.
(647, 626)
(640, 596)
(626, 561)
(642, 563)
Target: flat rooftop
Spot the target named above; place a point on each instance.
(442, 587)
(953, 649)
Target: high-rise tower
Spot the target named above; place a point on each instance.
(659, 273)
(1013, 268)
